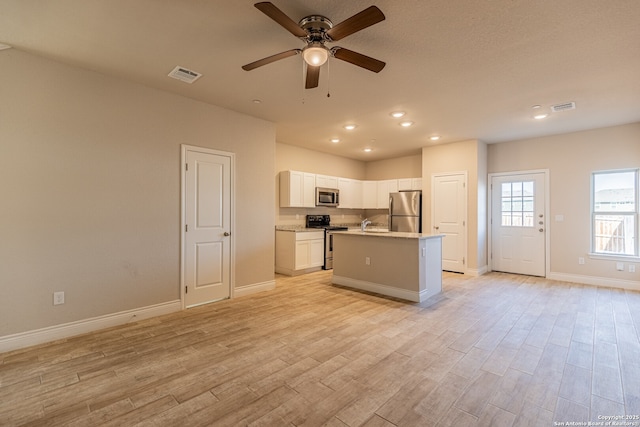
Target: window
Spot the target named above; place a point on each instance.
(614, 212)
(517, 204)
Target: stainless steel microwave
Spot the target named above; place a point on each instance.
(327, 197)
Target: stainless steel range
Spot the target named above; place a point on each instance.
(324, 221)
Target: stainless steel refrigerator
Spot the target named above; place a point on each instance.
(405, 210)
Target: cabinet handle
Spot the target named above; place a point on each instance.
(226, 234)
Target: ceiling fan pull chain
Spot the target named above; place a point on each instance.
(328, 78)
(304, 74)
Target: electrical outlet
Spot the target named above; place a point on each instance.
(619, 266)
(632, 268)
(581, 260)
(367, 260)
(58, 298)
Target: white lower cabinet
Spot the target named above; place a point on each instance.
(299, 252)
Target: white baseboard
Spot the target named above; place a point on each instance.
(254, 288)
(595, 281)
(66, 330)
(382, 289)
(476, 272)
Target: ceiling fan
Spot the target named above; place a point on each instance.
(315, 31)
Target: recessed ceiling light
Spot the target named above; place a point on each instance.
(350, 127)
(397, 114)
(368, 150)
(406, 124)
(434, 137)
(335, 140)
(256, 101)
(541, 116)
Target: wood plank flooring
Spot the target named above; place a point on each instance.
(498, 350)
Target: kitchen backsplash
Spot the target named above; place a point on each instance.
(297, 217)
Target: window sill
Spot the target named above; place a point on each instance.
(627, 258)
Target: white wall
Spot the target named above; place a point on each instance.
(464, 156)
(400, 167)
(571, 158)
(90, 186)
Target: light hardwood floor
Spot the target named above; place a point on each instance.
(498, 350)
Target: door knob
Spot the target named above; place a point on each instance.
(541, 230)
(436, 227)
(226, 233)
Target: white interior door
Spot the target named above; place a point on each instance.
(449, 211)
(207, 226)
(518, 224)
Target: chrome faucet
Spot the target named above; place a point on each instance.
(363, 224)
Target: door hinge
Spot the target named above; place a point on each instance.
(463, 261)
(464, 223)
(186, 289)
(186, 166)
(186, 228)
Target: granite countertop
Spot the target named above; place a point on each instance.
(296, 228)
(389, 234)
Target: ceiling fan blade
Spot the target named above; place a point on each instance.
(270, 59)
(359, 21)
(279, 16)
(358, 59)
(313, 75)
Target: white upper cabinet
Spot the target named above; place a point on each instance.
(405, 184)
(369, 194)
(416, 183)
(350, 193)
(297, 189)
(384, 188)
(326, 181)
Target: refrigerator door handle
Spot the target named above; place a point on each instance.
(390, 212)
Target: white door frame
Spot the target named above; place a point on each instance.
(547, 223)
(465, 208)
(183, 201)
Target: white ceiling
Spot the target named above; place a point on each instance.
(464, 69)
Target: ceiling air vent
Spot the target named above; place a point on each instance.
(185, 75)
(563, 107)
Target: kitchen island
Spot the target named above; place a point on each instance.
(401, 265)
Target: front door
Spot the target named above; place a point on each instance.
(207, 226)
(449, 218)
(518, 223)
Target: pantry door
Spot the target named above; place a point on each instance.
(449, 214)
(206, 227)
(519, 223)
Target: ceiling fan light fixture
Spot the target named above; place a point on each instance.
(315, 55)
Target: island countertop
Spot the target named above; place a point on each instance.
(390, 234)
